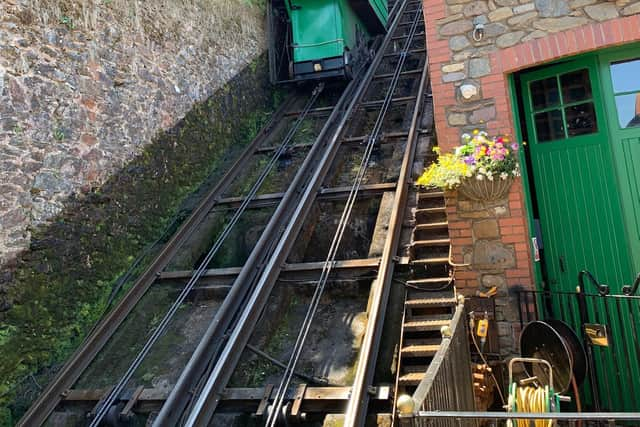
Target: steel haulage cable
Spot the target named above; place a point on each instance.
(163, 325)
(346, 213)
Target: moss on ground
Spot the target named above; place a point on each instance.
(62, 284)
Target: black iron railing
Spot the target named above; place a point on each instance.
(609, 329)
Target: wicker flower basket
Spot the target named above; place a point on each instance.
(485, 190)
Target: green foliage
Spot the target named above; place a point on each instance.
(62, 285)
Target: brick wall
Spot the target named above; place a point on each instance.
(517, 35)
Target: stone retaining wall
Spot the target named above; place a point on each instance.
(85, 85)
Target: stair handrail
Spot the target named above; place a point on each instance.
(447, 367)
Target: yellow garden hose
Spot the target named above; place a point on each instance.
(532, 399)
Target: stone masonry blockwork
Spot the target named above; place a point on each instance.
(84, 86)
(517, 35)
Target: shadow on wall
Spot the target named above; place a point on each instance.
(59, 288)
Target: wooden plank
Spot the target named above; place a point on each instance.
(297, 400)
(262, 407)
(126, 411)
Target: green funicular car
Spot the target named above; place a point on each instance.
(317, 39)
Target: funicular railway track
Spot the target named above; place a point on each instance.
(363, 151)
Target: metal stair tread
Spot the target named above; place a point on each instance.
(424, 325)
(419, 294)
(429, 280)
(432, 225)
(436, 209)
(434, 260)
(412, 378)
(431, 242)
(429, 302)
(420, 350)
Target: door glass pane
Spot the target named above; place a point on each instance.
(549, 125)
(544, 93)
(625, 76)
(628, 107)
(575, 86)
(581, 119)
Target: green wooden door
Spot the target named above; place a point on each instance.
(578, 186)
(621, 82)
(573, 173)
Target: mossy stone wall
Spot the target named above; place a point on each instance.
(61, 285)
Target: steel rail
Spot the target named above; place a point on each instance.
(205, 406)
(324, 276)
(358, 403)
(159, 330)
(211, 393)
(217, 333)
(46, 402)
(346, 214)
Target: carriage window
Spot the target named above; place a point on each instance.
(626, 87)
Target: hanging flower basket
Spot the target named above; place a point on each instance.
(485, 190)
(482, 168)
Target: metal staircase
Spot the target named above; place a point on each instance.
(430, 297)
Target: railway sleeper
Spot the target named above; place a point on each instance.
(148, 400)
